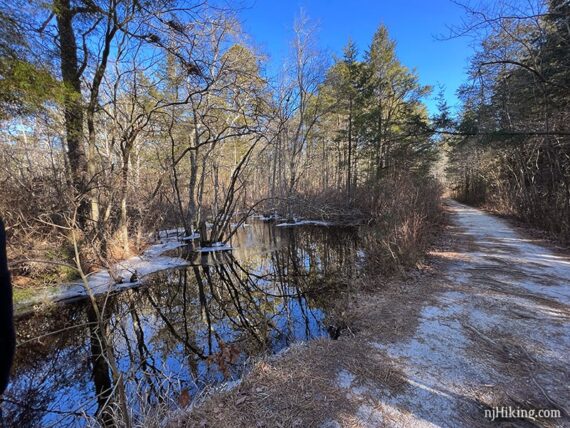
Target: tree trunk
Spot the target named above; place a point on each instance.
(380, 147)
(71, 75)
(124, 221)
(349, 165)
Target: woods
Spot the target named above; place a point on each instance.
(513, 152)
(183, 200)
(158, 116)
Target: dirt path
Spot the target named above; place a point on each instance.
(499, 335)
(488, 324)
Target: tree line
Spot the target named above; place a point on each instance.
(122, 117)
(511, 150)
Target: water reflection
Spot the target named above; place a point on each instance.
(184, 329)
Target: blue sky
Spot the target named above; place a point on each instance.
(414, 24)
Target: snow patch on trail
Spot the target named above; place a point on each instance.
(508, 301)
(368, 416)
(437, 366)
(345, 379)
(547, 274)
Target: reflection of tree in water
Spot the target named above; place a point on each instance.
(50, 368)
(184, 329)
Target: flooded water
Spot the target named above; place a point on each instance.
(183, 329)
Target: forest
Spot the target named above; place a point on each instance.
(175, 209)
(512, 151)
(128, 119)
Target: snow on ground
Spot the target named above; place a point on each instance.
(150, 261)
(264, 217)
(305, 223)
(541, 271)
(486, 326)
(500, 334)
(195, 235)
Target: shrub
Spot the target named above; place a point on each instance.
(403, 211)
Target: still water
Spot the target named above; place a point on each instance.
(183, 330)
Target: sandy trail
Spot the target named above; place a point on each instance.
(498, 335)
(487, 324)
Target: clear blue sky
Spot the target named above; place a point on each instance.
(414, 24)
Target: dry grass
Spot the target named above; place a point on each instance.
(405, 214)
(300, 387)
